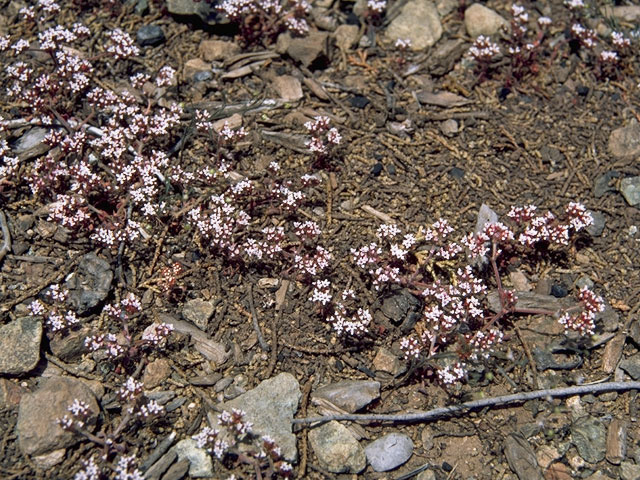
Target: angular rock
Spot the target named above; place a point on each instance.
(37, 427)
(402, 308)
(630, 189)
(631, 365)
(288, 88)
(599, 222)
(198, 312)
(349, 395)
(200, 462)
(20, 345)
(310, 51)
(521, 458)
(386, 361)
(603, 184)
(389, 452)
(70, 346)
(417, 22)
(270, 407)
(205, 10)
(89, 284)
(156, 372)
(31, 144)
(337, 449)
(624, 142)
(150, 36)
(480, 20)
(589, 436)
(213, 50)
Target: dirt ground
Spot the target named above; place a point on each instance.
(544, 141)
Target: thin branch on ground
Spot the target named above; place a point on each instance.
(442, 412)
(6, 236)
(254, 318)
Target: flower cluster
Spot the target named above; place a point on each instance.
(261, 21)
(584, 322)
(58, 318)
(456, 316)
(235, 430)
(324, 138)
(114, 347)
(343, 313)
(527, 42)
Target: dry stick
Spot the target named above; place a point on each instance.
(6, 235)
(254, 318)
(441, 412)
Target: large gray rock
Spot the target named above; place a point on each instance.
(480, 20)
(270, 407)
(418, 22)
(589, 435)
(20, 345)
(37, 427)
(337, 449)
(389, 452)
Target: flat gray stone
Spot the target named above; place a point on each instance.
(389, 452)
(200, 463)
(20, 345)
(89, 284)
(630, 189)
(270, 407)
(631, 365)
(417, 22)
(589, 435)
(37, 427)
(521, 458)
(337, 449)
(349, 395)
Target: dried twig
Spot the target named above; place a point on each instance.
(254, 318)
(6, 236)
(442, 412)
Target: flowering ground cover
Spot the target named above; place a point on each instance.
(196, 205)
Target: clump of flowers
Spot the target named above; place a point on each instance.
(136, 407)
(123, 347)
(324, 139)
(454, 280)
(374, 13)
(262, 453)
(261, 21)
(57, 317)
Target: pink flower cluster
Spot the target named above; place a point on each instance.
(260, 21)
(237, 430)
(584, 322)
(57, 319)
(456, 300)
(324, 137)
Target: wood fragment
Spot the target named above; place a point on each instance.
(616, 441)
(378, 214)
